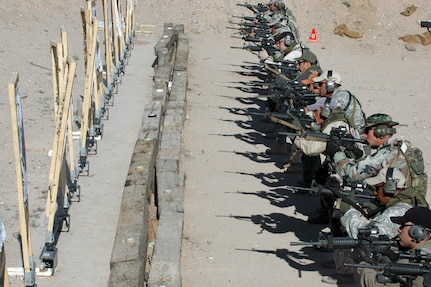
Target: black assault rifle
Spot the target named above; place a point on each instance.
(339, 134)
(393, 272)
(254, 48)
(259, 18)
(367, 247)
(426, 24)
(354, 194)
(260, 7)
(288, 119)
(332, 192)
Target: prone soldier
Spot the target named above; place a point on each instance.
(414, 234)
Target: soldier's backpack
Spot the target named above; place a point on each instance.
(416, 164)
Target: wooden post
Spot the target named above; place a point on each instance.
(57, 169)
(108, 45)
(21, 179)
(86, 121)
(114, 17)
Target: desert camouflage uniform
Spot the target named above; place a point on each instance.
(352, 220)
(387, 155)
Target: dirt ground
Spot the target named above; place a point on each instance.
(239, 219)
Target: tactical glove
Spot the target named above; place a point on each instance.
(332, 148)
(354, 152)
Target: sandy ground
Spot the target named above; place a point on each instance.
(239, 219)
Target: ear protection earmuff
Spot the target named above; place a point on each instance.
(390, 184)
(288, 40)
(326, 111)
(418, 233)
(330, 84)
(382, 131)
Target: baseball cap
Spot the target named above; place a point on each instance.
(335, 77)
(419, 215)
(308, 56)
(379, 119)
(397, 176)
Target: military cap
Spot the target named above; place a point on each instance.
(381, 177)
(282, 33)
(273, 1)
(308, 56)
(329, 76)
(379, 119)
(418, 215)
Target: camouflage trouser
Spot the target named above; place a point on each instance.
(368, 279)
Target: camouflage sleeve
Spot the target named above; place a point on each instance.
(383, 221)
(368, 167)
(352, 220)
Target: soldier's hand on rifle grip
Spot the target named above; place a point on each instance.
(332, 148)
(354, 152)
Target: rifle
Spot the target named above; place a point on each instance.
(302, 100)
(259, 7)
(416, 256)
(287, 119)
(329, 192)
(249, 25)
(252, 48)
(366, 247)
(340, 134)
(392, 272)
(426, 24)
(247, 38)
(355, 197)
(284, 69)
(247, 18)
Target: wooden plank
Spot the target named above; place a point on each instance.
(163, 74)
(166, 40)
(21, 178)
(108, 44)
(131, 236)
(182, 52)
(179, 86)
(165, 266)
(86, 121)
(129, 254)
(127, 274)
(58, 164)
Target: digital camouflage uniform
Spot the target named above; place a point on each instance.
(352, 220)
(348, 102)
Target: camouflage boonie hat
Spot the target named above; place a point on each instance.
(379, 119)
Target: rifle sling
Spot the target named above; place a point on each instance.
(285, 123)
(276, 72)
